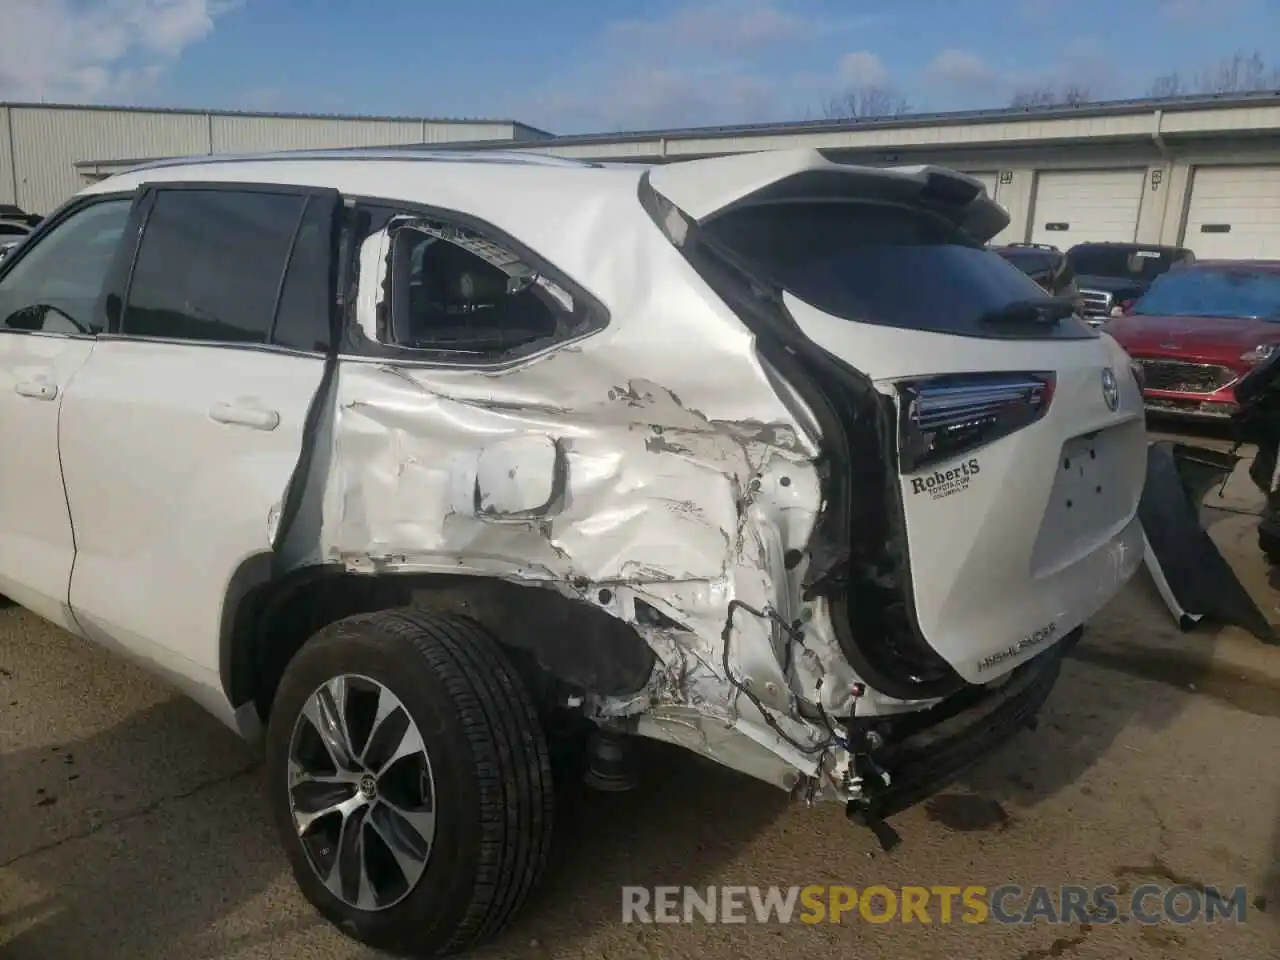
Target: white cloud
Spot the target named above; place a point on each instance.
(655, 96)
(707, 62)
(956, 78)
(94, 50)
(1202, 11)
(961, 68)
(263, 98)
(734, 25)
(862, 68)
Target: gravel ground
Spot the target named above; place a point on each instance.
(133, 826)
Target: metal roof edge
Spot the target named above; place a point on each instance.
(908, 121)
(263, 114)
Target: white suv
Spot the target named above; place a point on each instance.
(395, 459)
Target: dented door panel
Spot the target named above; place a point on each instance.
(644, 493)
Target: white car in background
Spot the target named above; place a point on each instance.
(396, 459)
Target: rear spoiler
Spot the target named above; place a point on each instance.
(704, 189)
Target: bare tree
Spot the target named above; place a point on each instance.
(866, 103)
(1050, 95)
(1168, 85)
(1239, 73)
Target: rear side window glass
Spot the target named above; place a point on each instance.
(888, 265)
(455, 290)
(302, 320)
(210, 265)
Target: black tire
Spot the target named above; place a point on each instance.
(489, 759)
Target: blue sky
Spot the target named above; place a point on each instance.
(583, 65)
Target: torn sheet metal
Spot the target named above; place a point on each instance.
(654, 486)
(633, 498)
(1192, 576)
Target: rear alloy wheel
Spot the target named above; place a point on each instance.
(410, 781)
(361, 792)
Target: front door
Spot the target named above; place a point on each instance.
(49, 293)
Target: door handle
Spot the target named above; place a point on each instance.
(240, 416)
(36, 389)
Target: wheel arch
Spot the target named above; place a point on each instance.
(266, 620)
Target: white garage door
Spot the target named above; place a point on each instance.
(1234, 213)
(1087, 206)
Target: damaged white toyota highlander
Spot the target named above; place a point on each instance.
(403, 462)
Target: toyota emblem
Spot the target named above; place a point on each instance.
(1110, 389)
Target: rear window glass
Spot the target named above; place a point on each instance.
(882, 264)
(1122, 263)
(1214, 293)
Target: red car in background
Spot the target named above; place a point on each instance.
(1197, 330)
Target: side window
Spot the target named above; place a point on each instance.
(210, 265)
(55, 284)
(452, 289)
(302, 318)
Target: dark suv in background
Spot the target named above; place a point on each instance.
(1111, 276)
(1046, 265)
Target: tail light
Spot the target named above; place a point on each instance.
(945, 417)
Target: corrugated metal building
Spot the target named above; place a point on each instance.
(43, 146)
(1201, 171)
(1204, 171)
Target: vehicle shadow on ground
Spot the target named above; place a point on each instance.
(156, 877)
(126, 868)
(685, 822)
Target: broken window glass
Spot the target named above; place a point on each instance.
(454, 289)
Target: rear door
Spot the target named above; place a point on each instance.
(183, 431)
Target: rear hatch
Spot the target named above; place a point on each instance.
(991, 446)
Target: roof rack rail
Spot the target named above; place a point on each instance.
(406, 154)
